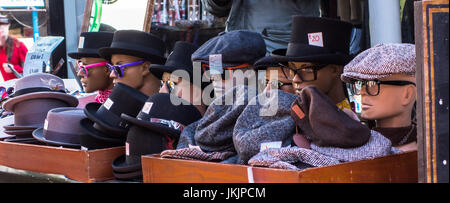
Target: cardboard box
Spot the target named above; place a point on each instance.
(394, 168)
(79, 165)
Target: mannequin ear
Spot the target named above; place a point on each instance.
(409, 95)
(145, 68)
(337, 70)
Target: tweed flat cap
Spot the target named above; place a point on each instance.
(290, 157)
(252, 130)
(214, 132)
(381, 61)
(236, 47)
(196, 154)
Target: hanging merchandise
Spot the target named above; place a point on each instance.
(96, 17)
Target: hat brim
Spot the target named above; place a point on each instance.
(12, 127)
(90, 111)
(88, 126)
(159, 128)
(20, 133)
(119, 165)
(158, 70)
(24, 141)
(332, 58)
(69, 99)
(38, 134)
(107, 52)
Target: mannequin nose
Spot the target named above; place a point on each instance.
(112, 75)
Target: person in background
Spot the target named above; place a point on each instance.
(12, 52)
(93, 72)
(270, 18)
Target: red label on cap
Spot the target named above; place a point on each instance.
(298, 111)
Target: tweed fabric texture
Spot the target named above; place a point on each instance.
(214, 132)
(195, 154)
(254, 128)
(288, 157)
(381, 61)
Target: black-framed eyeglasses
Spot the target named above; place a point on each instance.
(373, 86)
(305, 73)
(119, 69)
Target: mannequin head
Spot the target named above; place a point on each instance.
(326, 79)
(136, 76)
(281, 74)
(393, 105)
(97, 77)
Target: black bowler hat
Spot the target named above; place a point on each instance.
(156, 128)
(90, 42)
(320, 40)
(96, 139)
(179, 59)
(123, 99)
(136, 43)
(269, 61)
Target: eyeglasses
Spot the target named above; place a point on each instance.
(216, 77)
(85, 68)
(119, 69)
(305, 73)
(276, 83)
(373, 86)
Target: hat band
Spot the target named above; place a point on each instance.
(298, 50)
(61, 137)
(169, 123)
(34, 89)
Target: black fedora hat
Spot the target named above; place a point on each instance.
(161, 115)
(315, 39)
(90, 43)
(96, 139)
(136, 43)
(179, 59)
(123, 99)
(156, 128)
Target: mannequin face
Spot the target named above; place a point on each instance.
(98, 77)
(281, 74)
(233, 78)
(133, 75)
(326, 77)
(391, 104)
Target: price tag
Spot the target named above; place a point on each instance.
(215, 64)
(315, 39)
(267, 145)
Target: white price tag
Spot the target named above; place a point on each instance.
(147, 107)
(315, 39)
(108, 103)
(267, 145)
(215, 64)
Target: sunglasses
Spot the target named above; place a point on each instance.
(373, 86)
(119, 69)
(85, 68)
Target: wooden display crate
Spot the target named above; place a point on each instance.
(389, 169)
(79, 165)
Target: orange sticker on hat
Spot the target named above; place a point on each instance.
(298, 111)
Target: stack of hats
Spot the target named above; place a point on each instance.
(157, 127)
(62, 128)
(330, 137)
(104, 127)
(34, 96)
